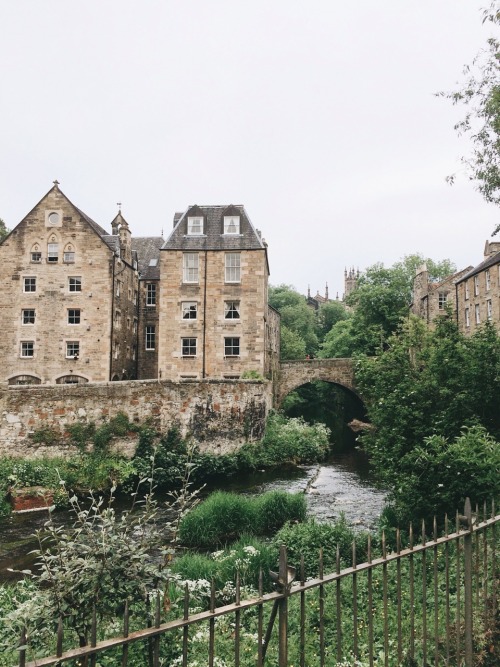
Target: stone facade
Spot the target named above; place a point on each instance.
(432, 299)
(219, 415)
(215, 321)
(294, 374)
(65, 298)
(478, 292)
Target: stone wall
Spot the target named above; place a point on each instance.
(220, 415)
(294, 374)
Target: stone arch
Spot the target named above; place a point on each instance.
(294, 374)
(24, 379)
(71, 379)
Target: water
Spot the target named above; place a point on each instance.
(343, 484)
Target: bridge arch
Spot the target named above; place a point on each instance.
(294, 374)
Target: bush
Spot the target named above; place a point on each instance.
(306, 539)
(293, 440)
(224, 517)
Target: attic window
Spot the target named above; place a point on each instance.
(231, 224)
(153, 262)
(195, 226)
(54, 218)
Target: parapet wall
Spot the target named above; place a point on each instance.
(219, 415)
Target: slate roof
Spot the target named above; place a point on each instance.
(213, 227)
(148, 248)
(485, 264)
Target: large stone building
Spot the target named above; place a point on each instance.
(215, 321)
(432, 299)
(81, 305)
(478, 292)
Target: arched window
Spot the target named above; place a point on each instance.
(36, 253)
(24, 379)
(71, 379)
(69, 254)
(53, 249)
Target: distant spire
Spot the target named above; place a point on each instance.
(326, 291)
(119, 204)
(309, 291)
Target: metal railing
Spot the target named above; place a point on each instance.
(434, 602)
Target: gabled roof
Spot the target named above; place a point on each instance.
(485, 264)
(453, 278)
(147, 249)
(213, 237)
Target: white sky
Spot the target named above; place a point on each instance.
(318, 116)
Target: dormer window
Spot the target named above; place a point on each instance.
(231, 224)
(195, 226)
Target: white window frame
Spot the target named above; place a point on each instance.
(52, 252)
(24, 317)
(232, 265)
(189, 349)
(476, 285)
(27, 346)
(442, 300)
(72, 349)
(467, 318)
(466, 290)
(74, 313)
(190, 267)
(232, 307)
(29, 281)
(151, 295)
(36, 257)
(489, 309)
(75, 286)
(195, 225)
(150, 337)
(189, 308)
(231, 225)
(69, 257)
(230, 347)
(487, 280)
(477, 314)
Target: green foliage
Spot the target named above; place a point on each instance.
(224, 517)
(328, 315)
(292, 345)
(298, 322)
(251, 375)
(480, 95)
(293, 440)
(429, 383)
(306, 539)
(46, 436)
(3, 230)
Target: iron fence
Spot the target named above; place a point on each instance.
(434, 602)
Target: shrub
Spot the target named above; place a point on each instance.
(293, 440)
(306, 539)
(224, 517)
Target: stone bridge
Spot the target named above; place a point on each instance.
(293, 374)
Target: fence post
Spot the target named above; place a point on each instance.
(283, 609)
(469, 657)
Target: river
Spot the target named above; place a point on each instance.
(343, 484)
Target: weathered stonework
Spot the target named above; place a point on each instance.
(294, 374)
(219, 415)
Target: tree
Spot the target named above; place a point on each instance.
(296, 317)
(329, 313)
(480, 94)
(3, 230)
(293, 345)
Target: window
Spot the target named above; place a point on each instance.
(74, 316)
(75, 284)
(153, 262)
(134, 326)
(128, 323)
(487, 280)
(29, 285)
(118, 318)
(467, 318)
(53, 252)
(72, 349)
(53, 218)
(232, 310)
(151, 294)
(231, 347)
(28, 316)
(134, 352)
(189, 310)
(24, 379)
(118, 287)
(442, 299)
(69, 257)
(151, 337)
(136, 295)
(190, 267)
(188, 347)
(117, 349)
(466, 290)
(195, 226)
(233, 267)
(36, 257)
(27, 349)
(231, 224)
(489, 309)
(478, 314)
(476, 285)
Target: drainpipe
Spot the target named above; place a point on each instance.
(203, 374)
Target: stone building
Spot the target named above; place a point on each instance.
(478, 291)
(66, 297)
(215, 321)
(79, 305)
(433, 299)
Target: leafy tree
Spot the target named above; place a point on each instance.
(296, 318)
(425, 384)
(3, 230)
(329, 314)
(480, 94)
(293, 345)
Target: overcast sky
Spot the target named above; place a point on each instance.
(319, 116)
